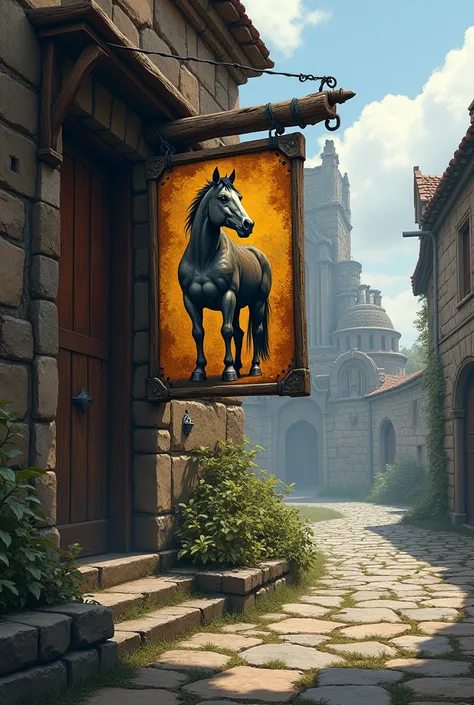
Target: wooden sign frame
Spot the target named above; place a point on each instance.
(296, 383)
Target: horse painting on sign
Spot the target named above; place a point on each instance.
(217, 274)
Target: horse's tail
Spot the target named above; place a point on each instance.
(261, 342)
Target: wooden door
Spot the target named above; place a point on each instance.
(83, 361)
(469, 449)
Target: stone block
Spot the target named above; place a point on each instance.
(148, 414)
(163, 624)
(83, 104)
(18, 646)
(151, 41)
(19, 48)
(16, 338)
(44, 277)
(46, 238)
(115, 569)
(44, 445)
(241, 603)
(118, 123)
(211, 608)
(142, 262)
(14, 387)
(241, 581)
(49, 185)
(44, 317)
(41, 681)
(151, 440)
(89, 578)
(209, 581)
(152, 533)
(133, 134)
(140, 11)
(53, 632)
(140, 235)
(170, 23)
(189, 87)
(139, 383)
(235, 424)
(184, 476)
(207, 102)
(209, 425)
(207, 72)
(91, 624)
(139, 178)
(140, 208)
(45, 388)
(168, 559)
(141, 347)
(152, 483)
(18, 105)
(11, 281)
(108, 654)
(221, 96)
(125, 25)
(81, 665)
(46, 488)
(50, 533)
(12, 214)
(141, 306)
(126, 642)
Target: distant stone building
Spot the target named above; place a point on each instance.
(363, 408)
(444, 207)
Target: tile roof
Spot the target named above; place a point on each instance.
(453, 173)
(392, 382)
(427, 185)
(233, 13)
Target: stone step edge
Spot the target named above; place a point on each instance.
(237, 581)
(110, 569)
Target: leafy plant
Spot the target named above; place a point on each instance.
(237, 516)
(404, 483)
(32, 569)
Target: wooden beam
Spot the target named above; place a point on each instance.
(88, 59)
(312, 109)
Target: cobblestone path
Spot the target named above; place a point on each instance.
(391, 623)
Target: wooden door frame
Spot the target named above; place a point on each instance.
(121, 336)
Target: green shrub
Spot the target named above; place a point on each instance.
(404, 483)
(236, 514)
(32, 569)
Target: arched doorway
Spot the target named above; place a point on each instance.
(301, 455)
(469, 447)
(388, 445)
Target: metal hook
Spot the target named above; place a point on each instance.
(333, 128)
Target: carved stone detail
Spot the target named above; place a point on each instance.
(155, 167)
(297, 383)
(156, 390)
(290, 145)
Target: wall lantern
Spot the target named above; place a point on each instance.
(188, 423)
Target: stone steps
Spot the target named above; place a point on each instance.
(112, 569)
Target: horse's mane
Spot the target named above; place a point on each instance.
(196, 202)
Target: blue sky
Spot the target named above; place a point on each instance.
(411, 108)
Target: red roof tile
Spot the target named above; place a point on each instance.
(241, 27)
(393, 382)
(427, 185)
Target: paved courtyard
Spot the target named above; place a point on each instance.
(390, 623)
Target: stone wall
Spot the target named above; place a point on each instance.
(405, 407)
(30, 250)
(347, 443)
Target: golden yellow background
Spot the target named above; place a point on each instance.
(265, 184)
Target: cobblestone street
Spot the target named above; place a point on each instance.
(390, 622)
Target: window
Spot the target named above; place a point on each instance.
(371, 342)
(414, 413)
(346, 383)
(394, 344)
(420, 456)
(353, 383)
(359, 342)
(465, 260)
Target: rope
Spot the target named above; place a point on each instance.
(274, 125)
(325, 81)
(296, 113)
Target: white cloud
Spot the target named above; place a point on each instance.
(402, 310)
(379, 151)
(281, 22)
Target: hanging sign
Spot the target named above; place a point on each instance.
(227, 272)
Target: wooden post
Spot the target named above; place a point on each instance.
(311, 109)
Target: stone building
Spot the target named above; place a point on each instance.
(444, 207)
(74, 215)
(363, 408)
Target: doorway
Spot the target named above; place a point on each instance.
(388, 445)
(301, 455)
(469, 447)
(92, 510)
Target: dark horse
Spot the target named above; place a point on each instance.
(215, 273)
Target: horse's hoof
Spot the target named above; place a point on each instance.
(229, 375)
(198, 376)
(255, 371)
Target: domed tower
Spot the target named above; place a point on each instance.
(367, 327)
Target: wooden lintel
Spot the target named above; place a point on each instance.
(310, 110)
(88, 59)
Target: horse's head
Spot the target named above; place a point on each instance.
(225, 205)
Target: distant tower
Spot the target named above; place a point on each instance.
(331, 176)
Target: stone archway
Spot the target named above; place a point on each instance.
(387, 445)
(292, 413)
(302, 455)
(463, 427)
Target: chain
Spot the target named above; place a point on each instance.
(325, 81)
